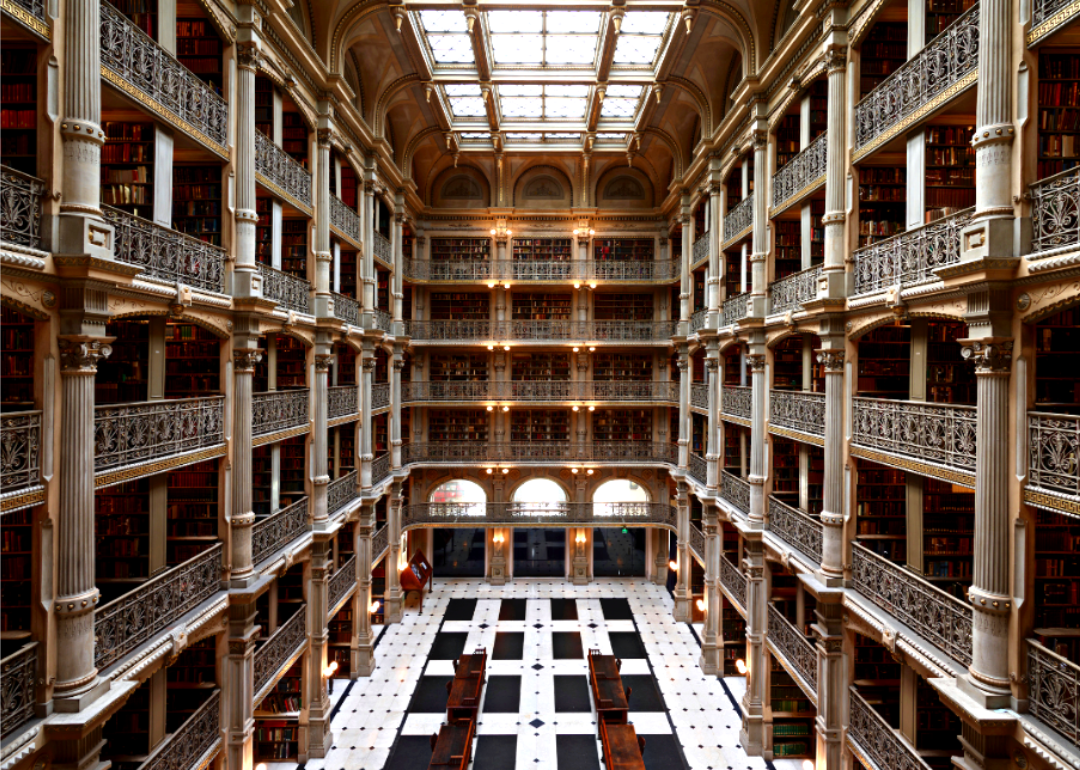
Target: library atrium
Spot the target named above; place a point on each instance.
(420, 384)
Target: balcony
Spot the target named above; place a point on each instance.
(341, 585)
(19, 671)
(380, 469)
(798, 415)
(698, 468)
(734, 310)
(278, 652)
(29, 12)
(165, 254)
(910, 258)
(380, 544)
(739, 220)
(20, 208)
(696, 542)
(1053, 462)
(1055, 224)
(934, 439)
(792, 292)
(279, 410)
(802, 532)
(699, 394)
(734, 582)
(344, 219)
(194, 744)
(342, 401)
(616, 391)
(341, 492)
(439, 271)
(382, 321)
(380, 396)
(382, 248)
(133, 619)
(1048, 16)
(346, 309)
(531, 514)
(701, 249)
(276, 170)
(875, 743)
(272, 533)
(735, 491)
(945, 67)
(1054, 690)
(697, 320)
(153, 435)
(800, 175)
(798, 652)
(541, 270)
(735, 403)
(540, 452)
(20, 459)
(287, 290)
(481, 331)
(938, 617)
(133, 63)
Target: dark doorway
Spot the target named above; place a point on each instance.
(459, 553)
(619, 552)
(539, 552)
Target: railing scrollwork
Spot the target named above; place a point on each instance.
(341, 582)
(272, 533)
(1055, 211)
(279, 169)
(796, 528)
(735, 491)
(192, 742)
(911, 257)
(20, 450)
(130, 434)
(1054, 690)
(287, 290)
(795, 647)
(280, 648)
(792, 292)
(799, 411)
(1054, 454)
(19, 674)
(342, 401)
(739, 219)
(278, 410)
(879, 742)
(735, 401)
(20, 208)
(943, 434)
(344, 218)
(805, 170)
(733, 580)
(341, 492)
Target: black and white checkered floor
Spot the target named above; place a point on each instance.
(537, 710)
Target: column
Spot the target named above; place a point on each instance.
(367, 364)
(756, 477)
(579, 539)
(368, 269)
(394, 595)
(716, 224)
(836, 172)
(686, 286)
(320, 738)
(498, 568)
(832, 512)
(682, 582)
(711, 642)
(397, 290)
(832, 679)
(323, 362)
(759, 277)
(396, 365)
(238, 693)
(247, 281)
(324, 258)
(660, 556)
(362, 652)
(685, 376)
(752, 734)
(712, 441)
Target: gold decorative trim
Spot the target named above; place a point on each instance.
(737, 420)
(789, 202)
(265, 182)
(806, 438)
(342, 234)
(27, 499)
(1051, 502)
(380, 410)
(26, 18)
(923, 469)
(343, 420)
(860, 754)
(1051, 24)
(281, 435)
(130, 473)
(348, 595)
(737, 237)
(209, 756)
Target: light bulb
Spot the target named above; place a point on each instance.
(575, 409)
(490, 470)
(700, 604)
(509, 232)
(260, 766)
(491, 409)
(491, 284)
(577, 284)
(506, 409)
(491, 347)
(592, 232)
(575, 470)
(493, 232)
(807, 764)
(506, 347)
(673, 565)
(740, 666)
(576, 349)
(589, 472)
(592, 284)
(505, 471)
(592, 408)
(374, 607)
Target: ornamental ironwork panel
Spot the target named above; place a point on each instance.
(278, 410)
(699, 395)
(382, 247)
(879, 742)
(633, 270)
(805, 170)
(546, 270)
(1054, 453)
(380, 543)
(735, 491)
(792, 292)
(628, 390)
(937, 433)
(792, 643)
(941, 618)
(380, 395)
(342, 401)
(154, 77)
(698, 468)
(1042, 11)
(345, 219)
(278, 167)
(35, 8)
(166, 254)
(18, 672)
(1054, 690)
(342, 581)
(287, 290)
(701, 248)
(1055, 211)
(449, 270)
(733, 580)
(134, 618)
(697, 320)
(448, 390)
(280, 648)
(272, 533)
(566, 331)
(382, 321)
(341, 492)
(20, 450)
(129, 434)
(910, 258)
(697, 541)
(736, 400)
(804, 412)
(932, 72)
(625, 331)
(796, 528)
(523, 514)
(734, 310)
(539, 451)
(740, 218)
(20, 208)
(346, 309)
(380, 468)
(199, 735)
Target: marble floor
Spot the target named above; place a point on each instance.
(536, 711)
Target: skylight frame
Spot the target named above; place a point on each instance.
(586, 64)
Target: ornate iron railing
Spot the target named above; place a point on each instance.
(701, 248)
(528, 390)
(698, 468)
(943, 619)
(341, 492)
(278, 410)
(939, 71)
(541, 270)
(796, 528)
(36, 9)
(20, 450)
(943, 434)
(1055, 211)
(279, 169)
(792, 643)
(805, 170)
(280, 648)
(380, 395)
(450, 270)
(879, 742)
(137, 65)
(735, 491)
(525, 514)
(129, 434)
(1054, 453)
(343, 218)
(19, 673)
(1043, 10)
(193, 742)
(449, 390)
(697, 320)
(568, 331)
(699, 394)
(346, 309)
(20, 208)
(382, 248)
(739, 219)
(342, 401)
(166, 254)
(540, 451)
(383, 321)
(134, 618)
(733, 580)
(272, 533)
(287, 290)
(380, 543)
(697, 541)
(632, 270)
(380, 468)
(340, 583)
(736, 400)
(799, 411)
(1054, 690)
(910, 258)
(734, 310)
(792, 292)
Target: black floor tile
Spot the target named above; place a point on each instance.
(411, 752)
(508, 646)
(616, 609)
(502, 695)
(572, 694)
(448, 646)
(577, 752)
(564, 609)
(494, 752)
(429, 697)
(513, 609)
(566, 645)
(626, 644)
(460, 609)
(661, 753)
(646, 695)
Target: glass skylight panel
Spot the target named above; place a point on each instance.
(644, 23)
(579, 92)
(475, 135)
(636, 49)
(561, 137)
(467, 106)
(515, 21)
(607, 137)
(546, 38)
(522, 107)
(618, 108)
(520, 137)
(443, 21)
(576, 22)
(570, 49)
(518, 49)
(630, 92)
(451, 49)
(564, 108)
(511, 89)
(462, 89)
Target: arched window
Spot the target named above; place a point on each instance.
(466, 497)
(611, 498)
(540, 495)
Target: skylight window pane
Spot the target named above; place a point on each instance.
(443, 21)
(523, 137)
(517, 49)
(645, 22)
(515, 21)
(631, 92)
(635, 49)
(451, 49)
(527, 107)
(579, 92)
(520, 90)
(475, 135)
(618, 108)
(462, 89)
(581, 22)
(562, 137)
(558, 107)
(605, 137)
(467, 106)
(570, 49)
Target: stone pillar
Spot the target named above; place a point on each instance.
(836, 173)
(832, 513)
(752, 734)
(759, 277)
(682, 582)
(242, 517)
(238, 694)
(367, 363)
(396, 365)
(757, 473)
(716, 224)
(323, 361)
(660, 557)
(711, 643)
(580, 537)
(324, 257)
(686, 286)
(832, 677)
(362, 654)
(320, 738)
(394, 595)
(712, 383)
(246, 280)
(368, 268)
(685, 376)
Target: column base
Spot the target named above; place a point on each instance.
(682, 608)
(497, 576)
(394, 607)
(320, 739)
(362, 660)
(752, 735)
(987, 699)
(710, 659)
(78, 701)
(580, 572)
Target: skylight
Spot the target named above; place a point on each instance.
(533, 101)
(452, 48)
(465, 100)
(621, 101)
(640, 37)
(544, 38)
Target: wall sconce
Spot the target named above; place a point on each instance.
(498, 538)
(506, 347)
(506, 409)
(592, 408)
(374, 607)
(575, 471)
(740, 666)
(592, 284)
(577, 284)
(673, 565)
(492, 284)
(500, 231)
(328, 674)
(580, 539)
(589, 472)
(592, 348)
(491, 409)
(505, 471)
(577, 349)
(700, 604)
(491, 347)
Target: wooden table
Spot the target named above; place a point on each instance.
(622, 747)
(607, 688)
(471, 665)
(464, 700)
(453, 745)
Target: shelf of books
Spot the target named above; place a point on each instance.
(950, 170)
(551, 249)
(458, 367)
(817, 231)
(877, 678)
(294, 247)
(291, 365)
(16, 574)
(882, 53)
(141, 13)
(264, 106)
(785, 465)
(881, 510)
(882, 202)
(192, 510)
(127, 168)
(341, 632)
(937, 729)
(540, 425)
(349, 265)
(1059, 110)
(277, 726)
(264, 231)
(197, 202)
(1057, 345)
(624, 249)
(733, 449)
(948, 536)
(732, 273)
(18, 108)
(788, 248)
(941, 13)
(382, 289)
(698, 428)
(787, 138)
(950, 378)
(341, 447)
(622, 425)
(121, 378)
(788, 362)
(460, 306)
(623, 307)
(541, 307)
(261, 480)
(1057, 582)
(544, 367)
(462, 249)
(819, 107)
(382, 366)
(293, 465)
(127, 732)
(16, 360)
(294, 136)
(192, 361)
(635, 367)
(190, 681)
(885, 363)
(199, 49)
(122, 535)
(733, 628)
(815, 482)
(381, 429)
(793, 716)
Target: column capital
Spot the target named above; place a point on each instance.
(323, 362)
(248, 55)
(368, 362)
(245, 360)
(326, 137)
(832, 360)
(836, 59)
(756, 362)
(80, 355)
(992, 355)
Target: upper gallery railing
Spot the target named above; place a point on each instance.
(127, 434)
(344, 218)
(733, 580)
(794, 646)
(739, 219)
(701, 248)
(35, 10)
(792, 292)
(272, 533)
(540, 451)
(524, 330)
(736, 401)
(1055, 211)
(346, 309)
(910, 258)
(736, 491)
(380, 468)
(280, 648)
(278, 410)
(798, 411)
(279, 169)
(1054, 690)
(380, 543)
(190, 745)
(941, 618)
(382, 320)
(1054, 454)
(805, 170)
(734, 309)
(878, 741)
(132, 619)
(20, 450)
(697, 467)
(527, 390)
(382, 247)
(698, 319)
(19, 674)
(796, 528)
(285, 289)
(342, 580)
(20, 208)
(166, 254)
(526, 514)
(943, 434)
(143, 69)
(699, 394)
(340, 492)
(1048, 16)
(380, 395)
(696, 541)
(342, 401)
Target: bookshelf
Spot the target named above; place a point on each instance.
(817, 231)
(785, 465)
(192, 361)
(881, 510)
(543, 367)
(462, 249)
(788, 366)
(382, 289)
(815, 482)
(347, 193)
(877, 678)
(264, 231)
(141, 13)
(382, 366)
(197, 202)
(264, 106)
(192, 511)
(623, 307)
(458, 367)
(1057, 344)
(460, 306)
(127, 168)
(199, 49)
(698, 426)
(293, 470)
(16, 573)
(195, 668)
(787, 138)
(277, 727)
(294, 137)
(541, 307)
(623, 425)
(341, 632)
(346, 364)
(128, 731)
(882, 203)
(625, 249)
(550, 249)
(885, 363)
(346, 451)
(294, 247)
(937, 729)
(793, 716)
(291, 363)
(950, 379)
(122, 537)
(941, 13)
(635, 367)
(1059, 110)
(458, 425)
(286, 697)
(819, 107)
(950, 170)
(18, 108)
(1057, 580)
(16, 360)
(540, 425)
(882, 53)
(948, 536)
(732, 449)
(290, 588)
(732, 275)
(349, 260)
(733, 628)
(121, 378)
(261, 478)
(697, 301)
(788, 248)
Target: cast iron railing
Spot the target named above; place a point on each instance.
(380, 395)
(792, 643)
(568, 331)
(272, 533)
(795, 528)
(1055, 211)
(699, 394)
(1054, 690)
(540, 451)
(346, 309)
(278, 410)
(287, 290)
(943, 434)
(697, 467)
(735, 491)
(20, 208)
(798, 410)
(525, 514)
(280, 648)
(191, 744)
(739, 219)
(20, 450)
(701, 248)
(279, 169)
(382, 247)
(805, 170)
(697, 320)
(18, 672)
(130, 434)
(734, 310)
(380, 468)
(345, 219)
(910, 258)
(733, 580)
(340, 583)
(383, 320)
(879, 742)
(736, 400)
(341, 492)
(342, 401)
(380, 543)
(792, 292)
(697, 541)
(1054, 453)
(527, 390)
(36, 9)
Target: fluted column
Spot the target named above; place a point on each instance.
(836, 173)
(685, 376)
(394, 595)
(368, 272)
(238, 693)
(752, 734)
(832, 679)
(246, 279)
(324, 257)
(77, 596)
(367, 374)
(323, 362)
(397, 287)
(711, 642)
(716, 224)
(682, 583)
(362, 654)
(759, 277)
(686, 285)
(320, 738)
(712, 385)
(756, 361)
(242, 517)
(397, 365)
(832, 513)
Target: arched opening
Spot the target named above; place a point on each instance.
(619, 551)
(539, 552)
(459, 551)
